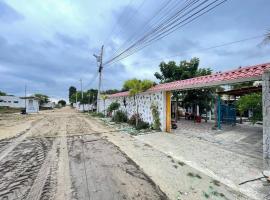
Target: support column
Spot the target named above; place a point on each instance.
(168, 111)
(266, 119)
(219, 112)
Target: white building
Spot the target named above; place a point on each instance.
(84, 107)
(31, 103)
(49, 105)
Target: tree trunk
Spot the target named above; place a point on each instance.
(206, 115)
(241, 120)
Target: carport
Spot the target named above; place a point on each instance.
(243, 74)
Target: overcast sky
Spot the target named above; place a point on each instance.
(49, 44)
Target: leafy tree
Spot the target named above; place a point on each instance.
(112, 91)
(241, 85)
(42, 98)
(135, 86)
(251, 102)
(113, 106)
(266, 38)
(2, 93)
(170, 72)
(88, 97)
(62, 102)
(72, 90)
(91, 96)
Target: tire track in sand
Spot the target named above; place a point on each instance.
(11, 146)
(37, 188)
(63, 175)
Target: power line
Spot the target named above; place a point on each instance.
(169, 29)
(92, 80)
(165, 30)
(171, 25)
(155, 28)
(142, 29)
(128, 18)
(209, 48)
(115, 24)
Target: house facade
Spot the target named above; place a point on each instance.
(31, 103)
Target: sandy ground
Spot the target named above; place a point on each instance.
(60, 155)
(176, 178)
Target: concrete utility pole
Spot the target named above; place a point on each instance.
(82, 93)
(25, 87)
(100, 61)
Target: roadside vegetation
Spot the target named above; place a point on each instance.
(117, 117)
(8, 110)
(252, 102)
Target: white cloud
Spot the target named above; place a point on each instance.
(49, 44)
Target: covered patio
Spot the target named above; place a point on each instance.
(244, 139)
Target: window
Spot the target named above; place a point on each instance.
(30, 102)
(1, 100)
(9, 101)
(15, 101)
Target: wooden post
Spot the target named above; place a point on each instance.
(168, 111)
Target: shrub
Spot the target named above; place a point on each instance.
(120, 116)
(251, 102)
(132, 120)
(113, 106)
(142, 125)
(156, 124)
(101, 115)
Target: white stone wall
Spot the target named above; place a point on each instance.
(145, 101)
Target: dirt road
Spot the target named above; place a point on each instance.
(60, 155)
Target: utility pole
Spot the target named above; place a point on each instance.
(100, 68)
(25, 88)
(82, 94)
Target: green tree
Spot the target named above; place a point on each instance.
(112, 91)
(266, 38)
(241, 85)
(42, 98)
(136, 86)
(89, 97)
(251, 102)
(72, 90)
(170, 72)
(2, 93)
(62, 102)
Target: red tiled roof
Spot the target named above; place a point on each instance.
(120, 94)
(242, 74)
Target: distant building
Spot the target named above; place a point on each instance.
(84, 107)
(31, 103)
(49, 105)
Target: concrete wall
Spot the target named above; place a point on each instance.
(266, 119)
(32, 105)
(12, 101)
(145, 101)
(85, 107)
